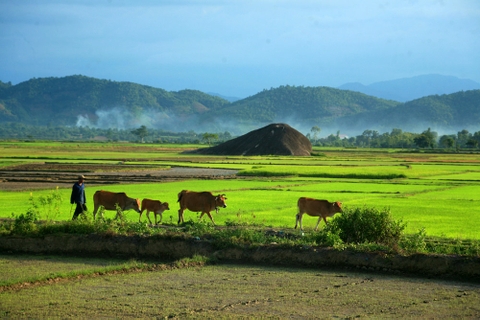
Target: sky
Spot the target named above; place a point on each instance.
(238, 48)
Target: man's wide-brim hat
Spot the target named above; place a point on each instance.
(81, 177)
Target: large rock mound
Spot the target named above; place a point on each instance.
(274, 139)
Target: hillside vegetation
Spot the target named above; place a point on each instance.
(59, 101)
(308, 104)
(453, 111)
(62, 101)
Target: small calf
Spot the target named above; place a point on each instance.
(155, 206)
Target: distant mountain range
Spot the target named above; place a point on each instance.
(84, 101)
(407, 89)
(231, 99)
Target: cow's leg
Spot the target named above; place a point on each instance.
(180, 216)
(140, 216)
(297, 217)
(95, 208)
(210, 216)
(325, 219)
(299, 221)
(318, 222)
(161, 217)
(148, 216)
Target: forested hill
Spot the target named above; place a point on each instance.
(60, 101)
(310, 105)
(456, 111)
(85, 101)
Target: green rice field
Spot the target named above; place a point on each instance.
(436, 191)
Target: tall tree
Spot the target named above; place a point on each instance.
(447, 141)
(315, 130)
(141, 132)
(426, 139)
(208, 137)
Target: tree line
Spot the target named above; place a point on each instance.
(19, 131)
(396, 138)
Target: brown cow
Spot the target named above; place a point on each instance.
(155, 206)
(203, 202)
(316, 208)
(114, 201)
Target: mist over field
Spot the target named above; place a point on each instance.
(121, 118)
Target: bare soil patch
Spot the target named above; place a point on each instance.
(50, 175)
(231, 291)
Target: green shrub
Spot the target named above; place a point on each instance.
(138, 228)
(323, 238)
(239, 237)
(415, 242)
(47, 206)
(198, 228)
(367, 225)
(24, 224)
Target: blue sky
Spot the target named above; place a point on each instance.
(238, 48)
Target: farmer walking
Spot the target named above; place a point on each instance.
(78, 197)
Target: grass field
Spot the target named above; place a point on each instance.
(438, 192)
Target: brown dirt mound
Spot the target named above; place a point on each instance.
(274, 139)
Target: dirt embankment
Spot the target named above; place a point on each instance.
(438, 266)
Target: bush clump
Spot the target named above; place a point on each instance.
(367, 225)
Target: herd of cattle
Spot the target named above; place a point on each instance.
(204, 202)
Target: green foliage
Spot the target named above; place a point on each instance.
(360, 229)
(414, 242)
(239, 237)
(324, 238)
(458, 109)
(209, 137)
(453, 246)
(58, 101)
(427, 139)
(46, 206)
(141, 132)
(25, 224)
(70, 227)
(314, 105)
(367, 225)
(199, 228)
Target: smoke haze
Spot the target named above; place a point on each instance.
(122, 119)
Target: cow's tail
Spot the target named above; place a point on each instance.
(180, 195)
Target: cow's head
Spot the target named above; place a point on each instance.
(137, 205)
(165, 206)
(338, 206)
(220, 201)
